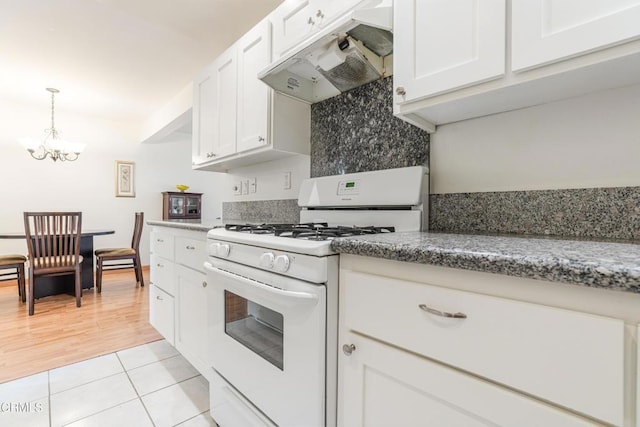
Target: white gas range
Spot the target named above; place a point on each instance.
(274, 311)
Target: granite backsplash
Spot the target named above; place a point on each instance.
(357, 132)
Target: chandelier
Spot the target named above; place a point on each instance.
(52, 146)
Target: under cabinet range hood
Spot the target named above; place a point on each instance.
(351, 51)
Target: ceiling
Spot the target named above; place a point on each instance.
(116, 59)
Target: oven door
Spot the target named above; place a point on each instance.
(268, 340)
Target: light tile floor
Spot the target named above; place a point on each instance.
(148, 385)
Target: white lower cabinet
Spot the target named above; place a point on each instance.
(177, 297)
(419, 348)
(191, 316)
(386, 386)
(161, 312)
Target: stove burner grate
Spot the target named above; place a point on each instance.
(309, 231)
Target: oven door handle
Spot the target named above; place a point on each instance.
(294, 297)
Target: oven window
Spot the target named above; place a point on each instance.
(257, 327)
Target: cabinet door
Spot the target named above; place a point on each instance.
(191, 317)
(203, 112)
(545, 31)
(161, 313)
(442, 45)
(225, 103)
(292, 22)
(326, 11)
(254, 53)
(384, 386)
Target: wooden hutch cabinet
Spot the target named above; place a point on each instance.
(180, 205)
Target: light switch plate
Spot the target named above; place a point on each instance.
(252, 185)
(237, 188)
(287, 181)
(245, 187)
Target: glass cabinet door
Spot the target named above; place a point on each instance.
(192, 205)
(177, 206)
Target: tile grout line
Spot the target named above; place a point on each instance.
(126, 372)
(49, 396)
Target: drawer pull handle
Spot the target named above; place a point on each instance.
(191, 247)
(159, 298)
(159, 240)
(204, 284)
(347, 349)
(428, 309)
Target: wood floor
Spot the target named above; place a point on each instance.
(59, 333)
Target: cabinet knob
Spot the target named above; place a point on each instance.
(204, 284)
(347, 349)
(261, 139)
(310, 21)
(191, 248)
(400, 91)
(159, 265)
(159, 298)
(159, 240)
(319, 14)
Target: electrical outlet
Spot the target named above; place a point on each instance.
(252, 185)
(237, 188)
(287, 180)
(245, 187)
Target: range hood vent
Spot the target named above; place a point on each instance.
(352, 51)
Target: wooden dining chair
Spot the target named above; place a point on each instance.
(12, 268)
(121, 258)
(53, 242)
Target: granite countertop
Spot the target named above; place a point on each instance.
(597, 264)
(188, 224)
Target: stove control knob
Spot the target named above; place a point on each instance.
(223, 250)
(266, 260)
(282, 263)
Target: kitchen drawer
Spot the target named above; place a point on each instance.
(570, 358)
(191, 252)
(162, 244)
(161, 273)
(162, 313)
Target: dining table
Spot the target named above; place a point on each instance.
(52, 285)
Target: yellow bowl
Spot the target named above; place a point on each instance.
(182, 187)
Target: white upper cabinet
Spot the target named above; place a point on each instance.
(456, 60)
(254, 53)
(292, 22)
(225, 99)
(546, 31)
(214, 109)
(203, 111)
(241, 120)
(295, 20)
(456, 44)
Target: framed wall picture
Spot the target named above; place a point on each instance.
(125, 179)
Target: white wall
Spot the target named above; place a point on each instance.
(583, 142)
(88, 184)
(269, 179)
